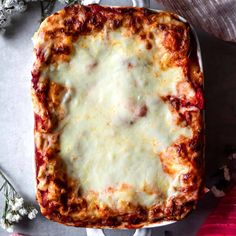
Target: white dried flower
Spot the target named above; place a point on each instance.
(16, 218)
(20, 7)
(2, 15)
(19, 201)
(216, 192)
(2, 31)
(9, 216)
(10, 229)
(9, 3)
(6, 226)
(3, 223)
(8, 8)
(4, 22)
(15, 208)
(8, 11)
(11, 202)
(23, 211)
(32, 214)
(17, 204)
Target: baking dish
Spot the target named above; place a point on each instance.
(44, 123)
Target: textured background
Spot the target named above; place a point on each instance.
(16, 120)
(215, 16)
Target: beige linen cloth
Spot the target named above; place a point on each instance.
(217, 17)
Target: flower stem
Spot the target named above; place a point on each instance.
(4, 184)
(6, 180)
(6, 202)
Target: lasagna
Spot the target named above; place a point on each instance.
(118, 103)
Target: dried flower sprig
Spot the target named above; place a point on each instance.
(14, 208)
(9, 8)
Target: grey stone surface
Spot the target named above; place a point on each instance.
(16, 120)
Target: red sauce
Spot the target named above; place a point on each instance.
(194, 144)
(62, 50)
(141, 111)
(162, 27)
(143, 36)
(171, 42)
(115, 24)
(96, 8)
(51, 207)
(186, 177)
(44, 198)
(199, 99)
(39, 123)
(65, 218)
(40, 55)
(35, 79)
(39, 160)
(182, 150)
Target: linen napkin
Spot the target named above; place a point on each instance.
(217, 17)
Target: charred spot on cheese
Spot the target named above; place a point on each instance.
(117, 104)
(148, 45)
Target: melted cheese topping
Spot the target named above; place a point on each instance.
(116, 123)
